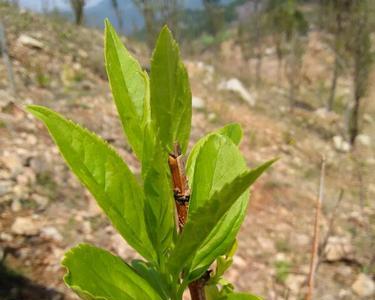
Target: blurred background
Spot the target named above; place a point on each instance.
(297, 75)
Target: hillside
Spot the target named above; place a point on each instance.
(44, 210)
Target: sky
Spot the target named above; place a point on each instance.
(36, 5)
(97, 10)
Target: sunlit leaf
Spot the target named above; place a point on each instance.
(159, 202)
(204, 219)
(170, 93)
(129, 85)
(95, 274)
(218, 162)
(104, 173)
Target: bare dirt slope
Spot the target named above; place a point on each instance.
(44, 210)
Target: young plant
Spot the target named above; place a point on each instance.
(179, 228)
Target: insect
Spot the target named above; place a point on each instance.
(181, 189)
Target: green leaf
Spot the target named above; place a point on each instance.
(159, 201)
(232, 131)
(152, 276)
(104, 173)
(129, 85)
(223, 263)
(204, 219)
(95, 274)
(217, 163)
(242, 296)
(170, 93)
(212, 292)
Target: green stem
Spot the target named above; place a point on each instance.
(181, 289)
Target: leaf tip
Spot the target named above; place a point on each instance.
(36, 110)
(166, 29)
(166, 34)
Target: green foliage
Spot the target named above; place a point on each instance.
(286, 19)
(124, 282)
(282, 270)
(129, 85)
(155, 114)
(170, 93)
(104, 174)
(202, 221)
(226, 291)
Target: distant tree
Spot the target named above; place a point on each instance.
(148, 10)
(157, 13)
(117, 10)
(252, 33)
(334, 20)
(169, 11)
(288, 26)
(215, 16)
(359, 47)
(13, 2)
(275, 12)
(45, 6)
(78, 9)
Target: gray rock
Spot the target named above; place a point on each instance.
(338, 248)
(236, 86)
(212, 117)
(86, 227)
(20, 191)
(364, 286)
(303, 240)
(29, 41)
(239, 261)
(41, 200)
(266, 245)
(198, 103)
(364, 140)
(25, 226)
(16, 205)
(51, 233)
(41, 163)
(367, 118)
(295, 282)
(340, 144)
(13, 163)
(27, 177)
(5, 187)
(6, 237)
(321, 112)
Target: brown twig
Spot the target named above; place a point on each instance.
(182, 196)
(180, 185)
(196, 288)
(315, 246)
(330, 229)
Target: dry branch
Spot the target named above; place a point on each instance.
(315, 246)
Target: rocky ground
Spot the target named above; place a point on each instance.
(44, 210)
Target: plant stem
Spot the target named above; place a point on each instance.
(182, 196)
(196, 289)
